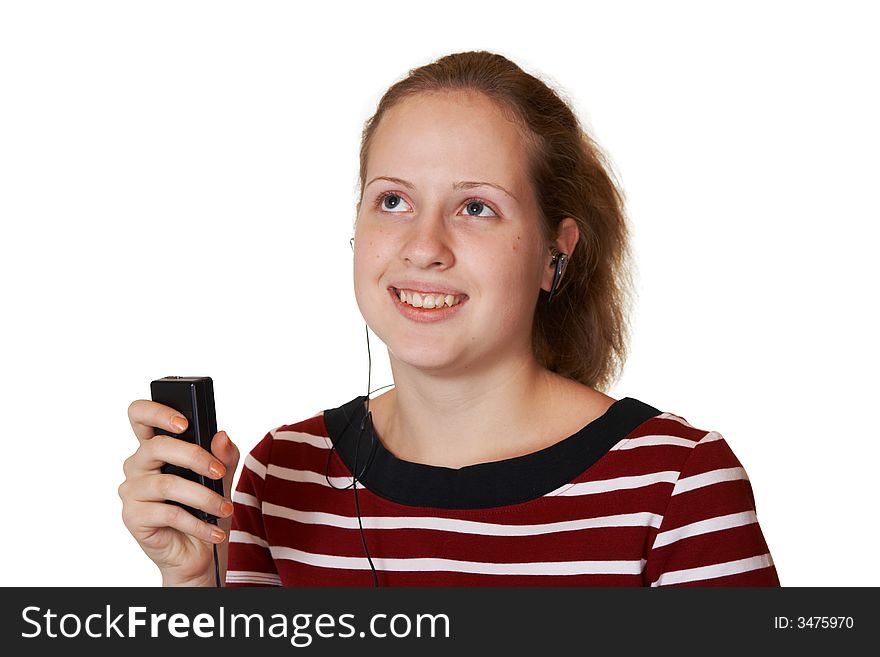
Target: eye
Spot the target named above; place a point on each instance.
(390, 202)
(475, 207)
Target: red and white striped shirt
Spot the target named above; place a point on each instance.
(636, 498)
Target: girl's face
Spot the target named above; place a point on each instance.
(447, 207)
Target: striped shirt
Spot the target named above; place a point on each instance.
(637, 497)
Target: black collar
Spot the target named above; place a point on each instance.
(499, 483)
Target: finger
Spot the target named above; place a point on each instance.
(160, 488)
(226, 451)
(144, 415)
(145, 518)
(159, 450)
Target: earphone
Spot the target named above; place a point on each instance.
(559, 260)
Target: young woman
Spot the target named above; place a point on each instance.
(490, 256)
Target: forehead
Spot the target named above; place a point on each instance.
(454, 134)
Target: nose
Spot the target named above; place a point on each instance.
(427, 241)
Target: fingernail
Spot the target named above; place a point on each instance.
(226, 508)
(217, 470)
(218, 534)
(178, 422)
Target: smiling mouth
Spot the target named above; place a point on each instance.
(427, 301)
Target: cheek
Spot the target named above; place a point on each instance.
(364, 278)
(371, 241)
(516, 273)
(370, 262)
(517, 268)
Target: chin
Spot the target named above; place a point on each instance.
(421, 353)
(427, 363)
(420, 346)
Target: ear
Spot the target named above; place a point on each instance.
(567, 237)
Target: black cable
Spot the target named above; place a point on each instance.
(216, 567)
(368, 418)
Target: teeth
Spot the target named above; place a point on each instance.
(427, 300)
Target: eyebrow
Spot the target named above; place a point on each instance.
(464, 184)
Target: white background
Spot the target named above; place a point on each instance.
(177, 191)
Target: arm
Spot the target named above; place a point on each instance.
(250, 562)
(709, 535)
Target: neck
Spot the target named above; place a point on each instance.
(466, 419)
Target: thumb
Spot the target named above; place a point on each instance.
(225, 450)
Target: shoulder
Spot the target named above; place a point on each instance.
(681, 444)
(669, 425)
(708, 531)
(283, 443)
(697, 457)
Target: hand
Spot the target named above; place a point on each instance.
(180, 544)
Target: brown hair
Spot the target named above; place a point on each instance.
(583, 334)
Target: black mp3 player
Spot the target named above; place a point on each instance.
(192, 397)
